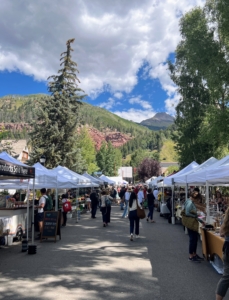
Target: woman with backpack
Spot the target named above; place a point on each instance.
(105, 207)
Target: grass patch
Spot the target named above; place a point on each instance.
(168, 153)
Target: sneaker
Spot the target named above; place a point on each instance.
(131, 237)
(136, 236)
(198, 257)
(194, 259)
(147, 219)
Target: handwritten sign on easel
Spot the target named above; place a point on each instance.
(51, 225)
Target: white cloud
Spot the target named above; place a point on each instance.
(136, 115)
(118, 95)
(171, 104)
(142, 103)
(113, 39)
(109, 104)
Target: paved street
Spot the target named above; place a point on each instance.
(92, 262)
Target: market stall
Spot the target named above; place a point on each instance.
(14, 216)
(107, 179)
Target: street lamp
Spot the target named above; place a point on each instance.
(42, 159)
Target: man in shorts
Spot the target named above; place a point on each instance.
(41, 205)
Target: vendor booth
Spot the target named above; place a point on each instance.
(107, 179)
(14, 216)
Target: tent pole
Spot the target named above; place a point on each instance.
(33, 211)
(27, 221)
(186, 191)
(173, 217)
(207, 203)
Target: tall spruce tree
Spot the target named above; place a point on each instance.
(55, 129)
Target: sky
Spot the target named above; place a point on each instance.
(121, 48)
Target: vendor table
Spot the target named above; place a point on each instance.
(211, 244)
(13, 218)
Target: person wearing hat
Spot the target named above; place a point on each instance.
(126, 198)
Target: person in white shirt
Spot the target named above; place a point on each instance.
(155, 193)
(141, 195)
(133, 217)
(41, 205)
(126, 198)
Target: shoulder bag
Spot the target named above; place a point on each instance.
(189, 222)
(140, 211)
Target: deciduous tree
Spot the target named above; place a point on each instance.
(148, 168)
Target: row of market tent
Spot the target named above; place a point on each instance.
(16, 175)
(212, 172)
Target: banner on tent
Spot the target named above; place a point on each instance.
(9, 169)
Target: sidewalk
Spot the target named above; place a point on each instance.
(92, 262)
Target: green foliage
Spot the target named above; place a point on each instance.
(172, 169)
(201, 72)
(88, 152)
(109, 159)
(54, 131)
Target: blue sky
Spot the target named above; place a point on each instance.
(121, 48)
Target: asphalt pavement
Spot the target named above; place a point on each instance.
(92, 262)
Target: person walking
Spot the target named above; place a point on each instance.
(133, 217)
(64, 214)
(150, 200)
(105, 207)
(223, 284)
(94, 203)
(191, 223)
(121, 196)
(40, 207)
(113, 194)
(141, 195)
(126, 197)
(88, 200)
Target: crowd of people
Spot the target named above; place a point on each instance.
(133, 198)
(128, 197)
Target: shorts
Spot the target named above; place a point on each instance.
(40, 217)
(88, 200)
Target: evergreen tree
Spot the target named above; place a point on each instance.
(54, 132)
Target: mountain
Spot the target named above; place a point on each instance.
(159, 121)
(17, 111)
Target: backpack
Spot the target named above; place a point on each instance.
(67, 206)
(107, 202)
(48, 203)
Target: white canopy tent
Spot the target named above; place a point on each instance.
(118, 180)
(43, 178)
(150, 180)
(209, 173)
(93, 179)
(182, 179)
(75, 180)
(157, 180)
(107, 179)
(168, 180)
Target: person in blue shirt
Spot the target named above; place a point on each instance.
(191, 211)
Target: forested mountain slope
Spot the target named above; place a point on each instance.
(16, 112)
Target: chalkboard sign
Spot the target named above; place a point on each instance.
(51, 225)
